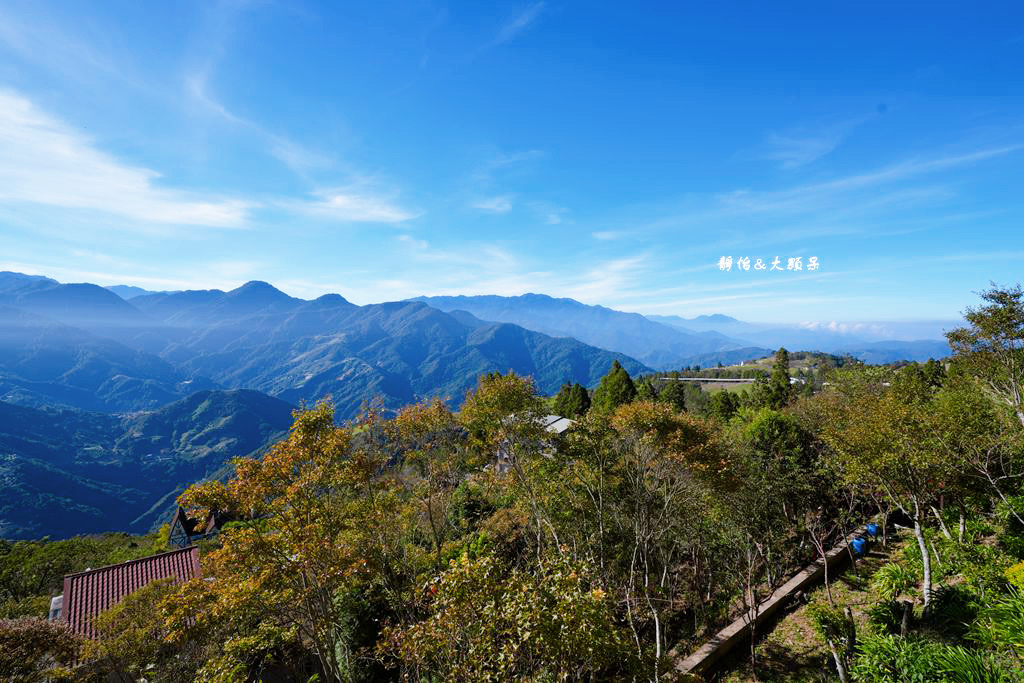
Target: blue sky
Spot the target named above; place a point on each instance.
(609, 153)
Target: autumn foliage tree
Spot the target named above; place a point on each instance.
(320, 521)
(492, 622)
(33, 649)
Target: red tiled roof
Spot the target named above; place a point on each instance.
(88, 593)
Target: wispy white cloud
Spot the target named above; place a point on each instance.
(295, 156)
(910, 168)
(500, 165)
(500, 204)
(608, 235)
(856, 203)
(507, 274)
(549, 212)
(518, 24)
(351, 205)
(44, 160)
(844, 328)
(1007, 256)
(798, 147)
(411, 241)
(41, 40)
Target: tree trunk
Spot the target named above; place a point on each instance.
(840, 664)
(851, 630)
(942, 523)
(828, 587)
(926, 558)
(885, 527)
(908, 608)
(963, 525)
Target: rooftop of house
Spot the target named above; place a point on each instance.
(88, 593)
(557, 424)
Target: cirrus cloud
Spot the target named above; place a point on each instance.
(44, 160)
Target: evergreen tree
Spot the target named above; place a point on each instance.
(780, 389)
(674, 394)
(645, 391)
(581, 399)
(696, 399)
(572, 401)
(723, 405)
(616, 389)
(560, 406)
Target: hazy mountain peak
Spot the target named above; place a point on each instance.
(329, 301)
(127, 292)
(11, 281)
(258, 288)
(81, 304)
(653, 343)
(716, 318)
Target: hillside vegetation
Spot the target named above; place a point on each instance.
(444, 546)
(69, 472)
(82, 346)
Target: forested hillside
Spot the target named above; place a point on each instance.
(68, 472)
(477, 546)
(82, 346)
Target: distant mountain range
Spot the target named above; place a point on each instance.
(127, 292)
(887, 342)
(83, 346)
(112, 400)
(660, 346)
(69, 472)
(671, 342)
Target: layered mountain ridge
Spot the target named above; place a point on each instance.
(68, 472)
(112, 400)
(163, 346)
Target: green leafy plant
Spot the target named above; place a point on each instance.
(1000, 624)
(961, 665)
(954, 609)
(893, 579)
(891, 659)
(886, 616)
(1015, 575)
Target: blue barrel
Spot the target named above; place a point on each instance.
(873, 530)
(859, 545)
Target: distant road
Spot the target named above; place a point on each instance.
(707, 379)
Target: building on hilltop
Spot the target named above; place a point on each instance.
(185, 530)
(88, 593)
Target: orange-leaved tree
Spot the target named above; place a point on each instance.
(319, 520)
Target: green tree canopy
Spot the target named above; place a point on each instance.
(992, 346)
(882, 429)
(780, 387)
(616, 389)
(572, 401)
(723, 405)
(674, 393)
